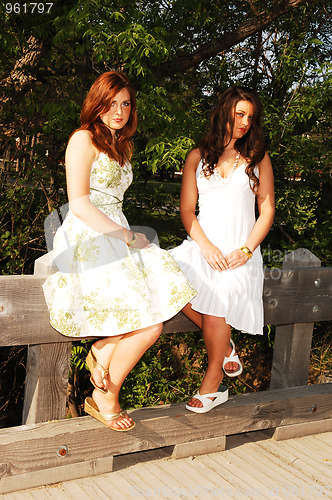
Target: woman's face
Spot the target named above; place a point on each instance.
(119, 112)
(243, 115)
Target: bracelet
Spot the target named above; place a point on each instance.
(247, 251)
(132, 241)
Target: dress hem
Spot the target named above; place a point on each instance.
(231, 324)
(125, 331)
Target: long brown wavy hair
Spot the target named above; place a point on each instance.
(251, 146)
(97, 102)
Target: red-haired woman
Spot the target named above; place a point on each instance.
(221, 257)
(111, 282)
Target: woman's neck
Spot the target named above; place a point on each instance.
(230, 145)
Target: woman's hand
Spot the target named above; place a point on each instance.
(141, 241)
(236, 259)
(214, 257)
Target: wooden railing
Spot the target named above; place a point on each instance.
(294, 298)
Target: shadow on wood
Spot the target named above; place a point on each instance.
(41, 453)
(67, 449)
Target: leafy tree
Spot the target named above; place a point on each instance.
(180, 54)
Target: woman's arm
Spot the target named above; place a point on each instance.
(188, 201)
(80, 154)
(265, 202)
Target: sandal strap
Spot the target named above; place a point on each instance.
(104, 371)
(232, 358)
(231, 343)
(92, 358)
(112, 416)
(205, 398)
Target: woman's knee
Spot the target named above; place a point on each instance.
(215, 322)
(154, 332)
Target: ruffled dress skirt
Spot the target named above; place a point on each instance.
(227, 216)
(102, 287)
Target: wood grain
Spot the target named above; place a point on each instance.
(292, 346)
(289, 297)
(31, 448)
(302, 429)
(46, 382)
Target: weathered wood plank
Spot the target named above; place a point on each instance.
(239, 482)
(291, 355)
(292, 346)
(24, 317)
(33, 479)
(85, 490)
(199, 447)
(302, 429)
(310, 482)
(46, 382)
(290, 296)
(34, 448)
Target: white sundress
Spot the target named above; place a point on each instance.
(227, 216)
(102, 287)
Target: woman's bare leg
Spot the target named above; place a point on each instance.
(126, 353)
(103, 351)
(216, 333)
(196, 318)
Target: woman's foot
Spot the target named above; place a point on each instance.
(98, 371)
(232, 365)
(108, 404)
(99, 361)
(210, 384)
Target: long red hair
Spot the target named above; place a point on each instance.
(97, 102)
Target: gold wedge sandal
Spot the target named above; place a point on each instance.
(92, 363)
(92, 409)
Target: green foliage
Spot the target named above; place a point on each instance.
(48, 63)
(170, 371)
(170, 155)
(79, 352)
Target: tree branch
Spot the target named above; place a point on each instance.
(22, 76)
(183, 62)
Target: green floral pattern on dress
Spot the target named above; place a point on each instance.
(62, 321)
(103, 288)
(107, 172)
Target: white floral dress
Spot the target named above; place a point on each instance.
(102, 287)
(227, 217)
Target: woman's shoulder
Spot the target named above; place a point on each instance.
(81, 136)
(82, 139)
(265, 162)
(195, 155)
(193, 159)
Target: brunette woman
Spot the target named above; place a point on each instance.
(111, 282)
(221, 257)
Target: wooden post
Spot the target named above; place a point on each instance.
(291, 355)
(47, 372)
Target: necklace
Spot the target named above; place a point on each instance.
(236, 163)
(237, 158)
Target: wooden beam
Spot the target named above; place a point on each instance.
(36, 449)
(199, 447)
(292, 346)
(290, 296)
(297, 295)
(302, 429)
(46, 382)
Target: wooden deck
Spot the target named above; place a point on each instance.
(254, 465)
(89, 461)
